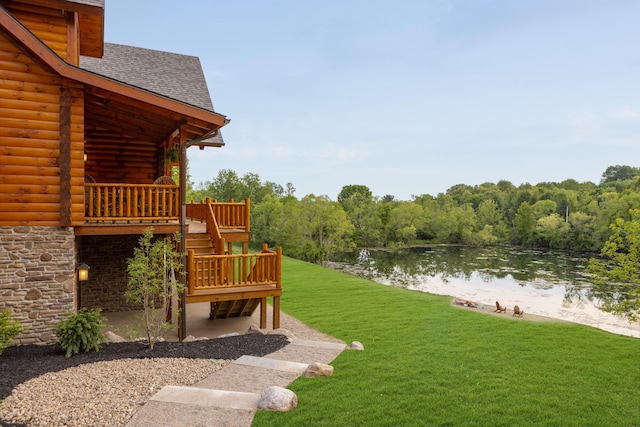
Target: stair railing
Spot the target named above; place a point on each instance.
(204, 212)
(214, 231)
(208, 272)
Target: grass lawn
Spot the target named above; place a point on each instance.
(427, 362)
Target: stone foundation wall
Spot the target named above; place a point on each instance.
(107, 257)
(37, 278)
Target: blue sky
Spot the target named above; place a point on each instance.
(407, 97)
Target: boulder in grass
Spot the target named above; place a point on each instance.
(356, 345)
(276, 398)
(318, 369)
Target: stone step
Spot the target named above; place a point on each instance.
(266, 363)
(207, 397)
(320, 344)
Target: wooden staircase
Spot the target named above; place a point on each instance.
(201, 244)
(237, 308)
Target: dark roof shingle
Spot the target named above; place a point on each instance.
(173, 75)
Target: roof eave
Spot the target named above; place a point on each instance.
(40, 50)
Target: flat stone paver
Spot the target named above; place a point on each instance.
(229, 397)
(207, 397)
(266, 363)
(320, 344)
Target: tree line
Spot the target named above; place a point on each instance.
(568, 215)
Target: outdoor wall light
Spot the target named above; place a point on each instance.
(83, 272)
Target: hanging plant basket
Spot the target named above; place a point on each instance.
(172, 155)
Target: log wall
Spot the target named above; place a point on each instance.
(114, 159)
(49, 25)
(30, 135)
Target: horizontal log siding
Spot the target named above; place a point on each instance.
(114, 159)
(30, 142)
(50, 28)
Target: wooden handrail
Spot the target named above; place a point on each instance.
(214, 231)
(228, 214)
(131, 202)
(207, 272)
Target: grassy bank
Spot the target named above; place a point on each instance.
(429, 363)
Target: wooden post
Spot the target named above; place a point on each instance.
(191, 271)
(276, 312)
(263, 313)
(279, 267)
(247, 215)
(65, 157)
(73, 41)
(276, 299)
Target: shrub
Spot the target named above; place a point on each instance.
(9, 328)
(82, 331)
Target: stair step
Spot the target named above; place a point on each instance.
(278, 365)
(200, 243)
(207, 397)
(237, 308)
(203, 251)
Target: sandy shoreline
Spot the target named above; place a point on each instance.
(490, 309)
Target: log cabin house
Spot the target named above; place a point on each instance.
(90, 134)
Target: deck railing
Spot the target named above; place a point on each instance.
(131, 202)
(210, 272)
(228, 214)
(214, 232)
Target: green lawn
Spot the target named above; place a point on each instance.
(427, 362)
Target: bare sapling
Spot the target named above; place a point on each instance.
(152, 282)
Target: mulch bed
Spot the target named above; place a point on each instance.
(21, 363)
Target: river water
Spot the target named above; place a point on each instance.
(545, 283)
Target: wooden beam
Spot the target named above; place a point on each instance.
(73, 44)
(105, 229)
(63, 5)
(65, 157)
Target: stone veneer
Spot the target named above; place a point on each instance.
(107, 256)
(37, 278)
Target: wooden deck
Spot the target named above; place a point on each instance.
(233, 284)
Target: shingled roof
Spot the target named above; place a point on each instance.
(173, 75)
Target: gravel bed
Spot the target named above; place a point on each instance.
(101, 393)
(41, 387)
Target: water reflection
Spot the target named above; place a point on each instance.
(546, 283)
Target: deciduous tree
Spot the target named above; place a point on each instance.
(618, 273)
(152, 282)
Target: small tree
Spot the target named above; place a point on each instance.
(152, 282)
(619, 275)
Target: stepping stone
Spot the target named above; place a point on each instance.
(320, 344)
(279, 365)
(207, 397)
